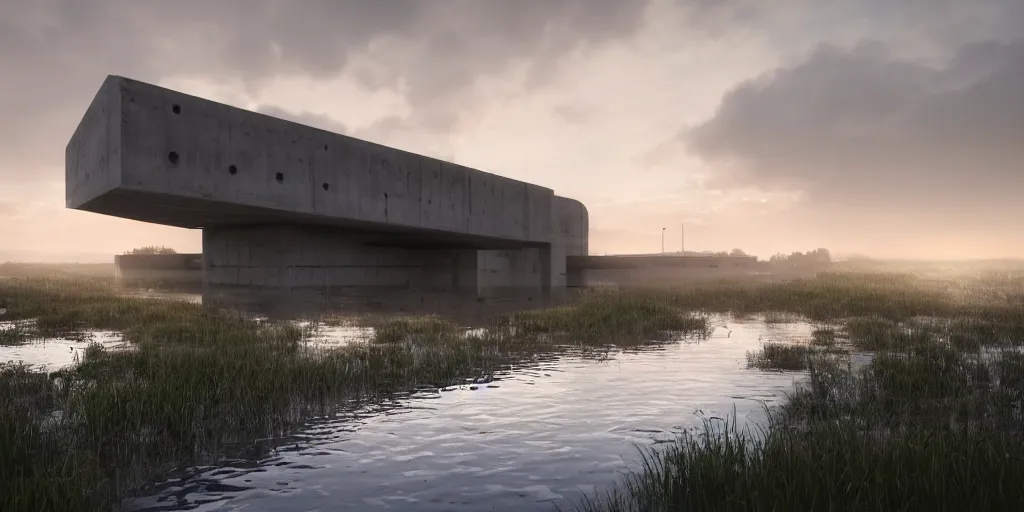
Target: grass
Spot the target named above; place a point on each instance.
(834, 467)
(607, 317)
(823, 337)
(14, 334)
(200, 385)
(934, 422)
(405, 330)
(780, 356)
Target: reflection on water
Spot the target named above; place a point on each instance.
(55, 353)
(534, 436)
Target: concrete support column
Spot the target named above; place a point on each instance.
(465, 274)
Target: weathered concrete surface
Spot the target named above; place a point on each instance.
(287, 208)
(177, 271)
(156, 155)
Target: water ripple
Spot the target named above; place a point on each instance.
(544, 435)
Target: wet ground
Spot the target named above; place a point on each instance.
(535, 437)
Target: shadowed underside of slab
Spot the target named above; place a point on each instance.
(151, 154)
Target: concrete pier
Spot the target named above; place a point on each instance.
(288, 208)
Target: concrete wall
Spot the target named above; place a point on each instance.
(571, 226)
(655, 271)
(308, 257)
(281, 259)
(92, 158)
(509, 274)
(159, 270)
(157, 155)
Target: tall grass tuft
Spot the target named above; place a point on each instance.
(780, 356)
(607, 317)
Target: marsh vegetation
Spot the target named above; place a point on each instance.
(934, 422)
(197, 385)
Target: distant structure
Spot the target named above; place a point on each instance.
(287, 208)
(159, 270)
(654, 270)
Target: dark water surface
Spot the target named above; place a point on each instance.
(535, 437)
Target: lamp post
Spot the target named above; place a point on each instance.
(663, 240)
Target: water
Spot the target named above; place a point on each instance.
(55, 353)
(535, 437)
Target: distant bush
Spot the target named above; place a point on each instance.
(815, 257)
(152, 249)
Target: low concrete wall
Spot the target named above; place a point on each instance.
(646, 271)
(175, 271)
(275, 262)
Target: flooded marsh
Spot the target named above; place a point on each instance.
(169, 405)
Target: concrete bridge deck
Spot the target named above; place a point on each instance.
(285, 206)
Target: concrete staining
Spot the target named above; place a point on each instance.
(286, 207)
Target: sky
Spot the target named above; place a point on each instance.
(892, 129)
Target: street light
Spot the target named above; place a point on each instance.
(663, 240)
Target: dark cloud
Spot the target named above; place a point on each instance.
(55, 53)
(794, 22)
(861, 128)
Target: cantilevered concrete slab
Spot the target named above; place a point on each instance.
(285, 206)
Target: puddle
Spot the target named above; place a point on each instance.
(326, 336)
(52, 354)
(536, 436)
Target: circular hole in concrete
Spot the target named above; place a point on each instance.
(326, 186)
(173, 157)
(232, 169)
(325, 147)
(279, 177)
(176, 109)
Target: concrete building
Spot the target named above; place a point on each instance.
(288, 208)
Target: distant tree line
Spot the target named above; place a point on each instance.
(152, 249)
(815, 257)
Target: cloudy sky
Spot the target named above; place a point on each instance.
(894, 129)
